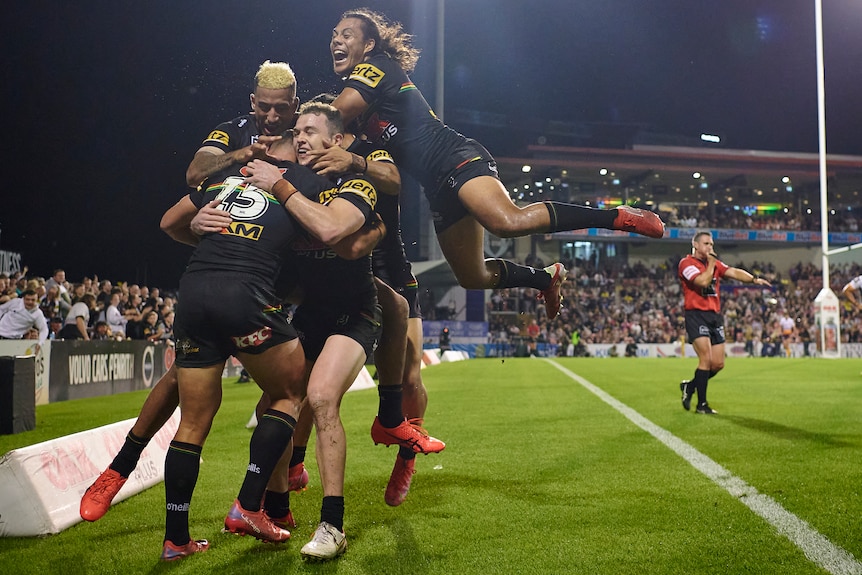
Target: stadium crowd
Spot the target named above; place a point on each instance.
(639, 304)
(613, 304)
(732, 217)
(115, 311)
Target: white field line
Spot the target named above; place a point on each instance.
(815, 546)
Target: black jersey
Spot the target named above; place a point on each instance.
(256, 242)
(389, 260)
(324, 278)
(399, 118)
(238, 133)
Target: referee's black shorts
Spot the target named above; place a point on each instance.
(699, 323)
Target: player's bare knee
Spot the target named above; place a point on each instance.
(507, 227)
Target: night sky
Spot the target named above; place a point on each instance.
(108, 101)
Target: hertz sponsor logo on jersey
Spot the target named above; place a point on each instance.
(243, 230)
(327, 196)
(361, 188)
(378, 155)
(367, 74)
(218, 136)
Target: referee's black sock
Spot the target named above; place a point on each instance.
(701, 378)
(566, 217)
(515, 275)
(127, 459)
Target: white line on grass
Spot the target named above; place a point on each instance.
(815, 546)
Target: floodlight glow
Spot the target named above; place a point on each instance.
(603, 172)
(712, 138)
(526, 168)
(696, 175)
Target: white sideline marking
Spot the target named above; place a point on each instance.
(815, 546)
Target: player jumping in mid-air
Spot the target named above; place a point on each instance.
(458, 175)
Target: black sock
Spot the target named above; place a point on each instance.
(389, 407)
(182, 465)
(406, 453)
(127, 459)
(298, 455)
(276, 504)
(267, 445)
(332, 511)
(514, 275)
(712, 374)
(566, 217)
(701, 377)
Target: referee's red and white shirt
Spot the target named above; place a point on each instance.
(705, 299)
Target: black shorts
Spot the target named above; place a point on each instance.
(315, 323)
(408, 289)
(700, 323)
(446, 207)
(221, 314)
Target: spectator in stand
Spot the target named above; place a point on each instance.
(20, 315)
(135, 314)
(7, 292)
(59, 280)
(167, 324)
(101, 332)
(77, 292)
(78, 319)
(853, 292)
(103, 298)
(54, 327)
(52, 305)
(153, 329)
(116, 321)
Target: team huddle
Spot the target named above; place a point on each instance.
(298, 206)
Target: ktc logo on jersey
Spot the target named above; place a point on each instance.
(218, 136)
(253, 339)
(367, 74)
(243, 230)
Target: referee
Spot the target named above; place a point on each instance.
(700, 274)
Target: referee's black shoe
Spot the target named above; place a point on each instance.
(705, 409)
(686, 396)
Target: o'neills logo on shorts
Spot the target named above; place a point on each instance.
(253, 339)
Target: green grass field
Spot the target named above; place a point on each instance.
(539, 476)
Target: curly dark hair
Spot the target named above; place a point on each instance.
(389, 37)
